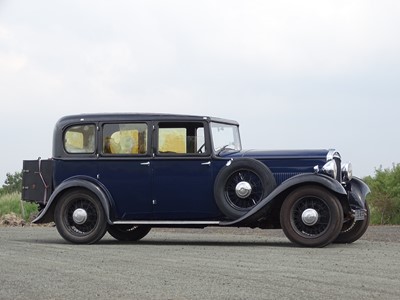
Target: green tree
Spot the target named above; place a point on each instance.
(13, 183)
(385, 195)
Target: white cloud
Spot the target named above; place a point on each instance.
(328, 69)
(4, 34)
(12, 63)
(285, 36)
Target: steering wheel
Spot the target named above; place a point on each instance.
(201, 148)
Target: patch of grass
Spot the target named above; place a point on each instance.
(11, 203)
(381, 216)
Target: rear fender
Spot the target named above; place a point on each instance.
(259, 210)
(46, 215)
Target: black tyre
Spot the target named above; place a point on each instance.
(241, 185)
(353, 230)
(128, 233)
(80, 217)
(311, 216)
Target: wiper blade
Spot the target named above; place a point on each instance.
(224, 148)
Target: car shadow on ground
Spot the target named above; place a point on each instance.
(166, 242)
(281, 243)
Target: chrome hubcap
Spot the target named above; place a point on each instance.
(309, 217)
(79, 216)
(243, 189)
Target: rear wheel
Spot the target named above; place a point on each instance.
(128, 233)
(80, 217)
(311, 216)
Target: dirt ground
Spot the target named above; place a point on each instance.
(213, 263)
(387, 233)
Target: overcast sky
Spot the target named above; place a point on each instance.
(295, 74)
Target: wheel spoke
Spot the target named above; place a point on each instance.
(323, 216)
(254, 197)
(91, 221)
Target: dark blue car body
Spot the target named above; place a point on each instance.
(188, 171)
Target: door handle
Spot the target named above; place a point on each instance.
(147, 163)
(206, 163)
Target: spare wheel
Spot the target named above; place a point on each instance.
(241, 184)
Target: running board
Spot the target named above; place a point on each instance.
(149, 222)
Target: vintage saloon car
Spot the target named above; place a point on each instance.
(127, 173)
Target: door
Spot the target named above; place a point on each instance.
(183, 189)
(182, 173)
(124, 169)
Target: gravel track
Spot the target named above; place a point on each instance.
(213, 263)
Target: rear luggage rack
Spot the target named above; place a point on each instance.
(37, 180)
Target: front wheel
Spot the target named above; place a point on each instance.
(311, 216)
(128, 233)
(353, 230)
(80, 217)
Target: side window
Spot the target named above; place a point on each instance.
(181, 138)
(80, 139)
(125, 139)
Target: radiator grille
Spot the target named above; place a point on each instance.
(281, 177)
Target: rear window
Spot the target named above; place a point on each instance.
(80, 139)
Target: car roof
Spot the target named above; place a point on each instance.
(127, 117)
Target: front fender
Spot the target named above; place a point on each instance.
(301, 179)
(358, 193)
(46, 215)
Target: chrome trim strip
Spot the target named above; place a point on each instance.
(149, 222)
